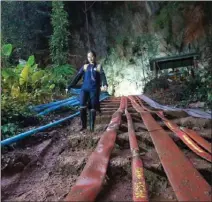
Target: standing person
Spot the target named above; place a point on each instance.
(93, 78)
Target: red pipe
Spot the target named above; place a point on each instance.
(186, 181)
(187, 140)
(90, 181)
(184, 136)
(195, 136)
(138, 180)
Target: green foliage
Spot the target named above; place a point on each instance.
(13, 110)
(119, 39)
(20, 81)
(187, 88)
(156, 84)
(15, 115)
(199, 88)
(31, 60)
(9, 130)
(163, 19)
(7, 49)
(61, 75)
(147, 43)
(63, 71)
(171, 22)
(26, 83)
(59, 38)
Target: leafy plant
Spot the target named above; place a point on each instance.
(9, 130)
(59, 39)
(156, 84)
(25, 85)
(7, 49)
(61, 75)
(6, 52)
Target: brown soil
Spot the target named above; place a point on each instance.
(45, 166)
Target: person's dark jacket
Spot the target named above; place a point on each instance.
(93, 77)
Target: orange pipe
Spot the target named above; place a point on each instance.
(195, 136)
(138, 180)
(186, 181)
(183, 136)
(89, 183)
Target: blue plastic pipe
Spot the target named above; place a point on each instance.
(16, 138)
(21, 136)
(44, 106)
(53, 103)
(50, 109)
(56, 105)
(73, 102)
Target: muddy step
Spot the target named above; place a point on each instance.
(109, 108)
(12, 164)
(131, 110)
(137, 117)
(191, 122)
(159, 188)
(71, 163)
(200, 164)
(111, 102)
(143, 139)
(117, 189)
(103, 119)
(120, 162)
(137, 127)
(83, 140)
(111, 105)
(109, 112)
(135, 114)
(175, 114)
(206, 133)
(21, 182)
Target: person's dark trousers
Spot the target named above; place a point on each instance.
(84, 96)
(93, 98)
(83, 117)
(98, 102)
(94, 102)
(92, 119)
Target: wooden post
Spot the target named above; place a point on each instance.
(155, 70)
(193, 67)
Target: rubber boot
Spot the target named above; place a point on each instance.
(83, 117)
(92, 119)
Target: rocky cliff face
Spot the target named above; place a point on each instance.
(126, 35)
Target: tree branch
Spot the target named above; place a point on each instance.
(91, 5)
(87, 9)
(70, 55)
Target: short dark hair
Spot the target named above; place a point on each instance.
(93, 52)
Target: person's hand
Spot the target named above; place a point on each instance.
(104, 88)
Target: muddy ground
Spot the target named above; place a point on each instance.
(44, 166)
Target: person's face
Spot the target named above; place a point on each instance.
(91, 58)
